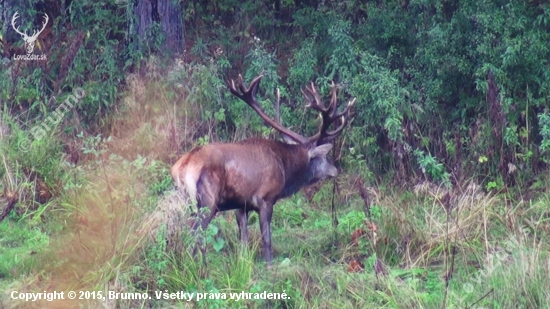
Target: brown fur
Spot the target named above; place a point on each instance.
(249, 175)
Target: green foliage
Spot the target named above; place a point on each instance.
(94, 145)
(291, 213)
(19, 245)
(351, 221)
(204, 140)
(357, 161)
(33, 155)
(164, 181)
(418, 69)
(302, 65)
(206, 92)
(154, 37)
(431, 167)
(200, 49)
(212, 239)
(157, 260)
(495, 185)
(85, 52)
(262, 61)
(544, 122)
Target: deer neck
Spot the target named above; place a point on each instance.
(296, 169)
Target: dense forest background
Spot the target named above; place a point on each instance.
(450, 96)
(421, 71)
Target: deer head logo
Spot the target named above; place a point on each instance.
(29, 40)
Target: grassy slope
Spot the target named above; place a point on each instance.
(107, 232)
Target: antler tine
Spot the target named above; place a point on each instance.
(241, 84)
(337, 131)
(317, 102)
(333, 99)
(328, 114)
(346, 109)
(231, 85)
(344, 115)
(278, 106)
(242, 89)
(254, 84)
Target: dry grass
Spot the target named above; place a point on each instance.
(173, 210)
(154, 119)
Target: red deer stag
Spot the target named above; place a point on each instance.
(255, 173)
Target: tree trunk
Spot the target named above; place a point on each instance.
(6, 13)
(171, 19)
(154, 18)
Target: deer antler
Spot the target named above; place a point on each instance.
(248, 95)
(15, 16)
(328, 114)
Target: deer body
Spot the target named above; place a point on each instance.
(249, 176)
(252, 175)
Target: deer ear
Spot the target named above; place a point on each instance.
(319, 151)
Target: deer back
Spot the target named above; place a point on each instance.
(238, 172)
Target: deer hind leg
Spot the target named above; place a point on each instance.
(207, 192)
(265, 210)
(207, 208)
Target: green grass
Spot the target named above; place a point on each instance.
(312, 260)
(20, 247)
(496, 266)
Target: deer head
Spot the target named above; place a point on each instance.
(29, 40)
